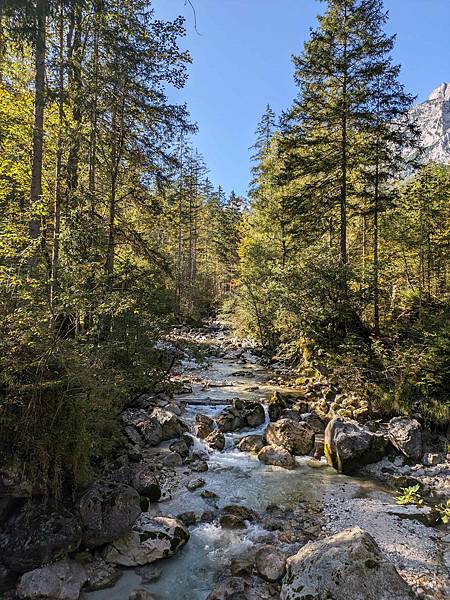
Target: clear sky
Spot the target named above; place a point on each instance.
(241, 62)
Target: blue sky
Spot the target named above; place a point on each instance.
(241, 62)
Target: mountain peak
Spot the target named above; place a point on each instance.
(441, 93)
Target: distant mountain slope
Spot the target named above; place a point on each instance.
(433, 119)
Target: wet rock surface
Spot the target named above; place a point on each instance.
(36, 535)
(107, 510)
(346, 565)
(242, 516)
(60, 581)
(151, 539)
(350, 446)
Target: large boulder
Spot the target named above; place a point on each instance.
(406, 435)
(172, 426)
(314, 421)
(140, 477)
(254, 414)
(61, 581)
(141, 428)
(35, 536)
(277, 456)
(251, 443)
(216, 440)
(230, 419)
(270, 563)
(203, 426)
(349, 445)
(345, 566)
(151, 539)
(297, 438)
(107, 511)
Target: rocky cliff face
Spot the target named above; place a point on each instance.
(433, 119)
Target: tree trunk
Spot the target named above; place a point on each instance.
(58, 175)
(38, 127)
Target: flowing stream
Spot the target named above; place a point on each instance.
(236, 477)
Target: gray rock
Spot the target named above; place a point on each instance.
(171, 425)
(216, 440)
(148, 428)
(270, 563)
(348, 565)
(406, 435)
(254, 414)
(35, 536)
(139, 476)
(297, 438)
(172, 459)
(152, 539)
(349, 445)
(61, 581)
(251, 443)
(277, 456)
(194, 484)
(234, 588)
(230, 419)
(100, 574)
(141, 594)
(180, 447)
(203, 426)
(314, 421)
(107, 511)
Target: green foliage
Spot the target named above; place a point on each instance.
(444, 512)
(410, 495)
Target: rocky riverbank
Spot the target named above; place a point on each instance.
(220, 490)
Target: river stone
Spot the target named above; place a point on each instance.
(107, 511)
(194, 484)
(349, 445)
(345, 566)
(406, 435)
(141, 594)
(172, 459)
(314, 421)
(254, 414)
(216, 440)
(251, 443)
(241, 511)
(270, 563)
(172, 426)
(61, 581)
(230, 419)
(148, 428)
(203, 426)
(297, 438)
(100, 574)
(180, 447)
(140, 477)
(145, 483)
(234, 588)
(277, 456)
(151, 539)
(35, 536)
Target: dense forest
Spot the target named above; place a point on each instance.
(112, 232)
